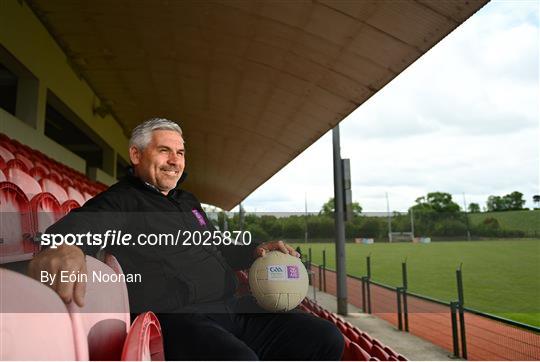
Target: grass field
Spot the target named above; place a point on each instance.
(499, 277)
(524, 220)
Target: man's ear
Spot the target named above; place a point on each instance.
(134, 155)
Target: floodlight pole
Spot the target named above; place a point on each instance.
(341, 271)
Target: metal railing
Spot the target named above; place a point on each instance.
(465, 332)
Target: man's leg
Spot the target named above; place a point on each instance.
(196, 337)
(290, 336)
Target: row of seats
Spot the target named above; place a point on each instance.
(35, 191)
(37, 325)
(359, 346)
(14, 155)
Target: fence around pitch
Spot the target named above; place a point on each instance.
(487, 337)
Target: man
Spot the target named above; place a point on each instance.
(190, 287)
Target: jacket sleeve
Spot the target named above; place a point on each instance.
(98, 215)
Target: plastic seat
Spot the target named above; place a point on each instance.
(27, 162)
(104, 321)
(16, 225)
(342, 327)
(6, 154)
(87, 196)
(365, 343)
(69, 205)
(390, 352)
(66, 182)
(145, 328)
(379, 353)
(45, 211)
(48, 185)
(35, 323)
(38, 173)
(74, 194)
(25, 182)
(16, 164)
(358, 353)
(55, 176)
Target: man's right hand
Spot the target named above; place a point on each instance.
(65, 258)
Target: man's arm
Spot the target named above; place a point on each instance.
(94, 217)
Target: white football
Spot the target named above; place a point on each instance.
(278, 281)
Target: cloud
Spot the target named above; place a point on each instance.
(464, 118)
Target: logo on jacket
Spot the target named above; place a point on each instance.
(199, 217)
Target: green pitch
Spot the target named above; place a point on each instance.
(499, 277)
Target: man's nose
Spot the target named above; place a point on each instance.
(174, 159)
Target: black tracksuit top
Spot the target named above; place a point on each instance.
(173, 276)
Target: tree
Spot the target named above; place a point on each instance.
(436, 201)
(512, 201)
(536, 200)
(328, 208)
(474, 207)
(495, 203)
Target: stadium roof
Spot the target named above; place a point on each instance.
(252, 83)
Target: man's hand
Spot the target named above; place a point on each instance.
(275, 245)
(68, 258)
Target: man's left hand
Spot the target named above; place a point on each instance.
(275, 245)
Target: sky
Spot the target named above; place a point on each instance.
(463, 119)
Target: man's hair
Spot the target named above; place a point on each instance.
(142, 134)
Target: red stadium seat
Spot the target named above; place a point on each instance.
(74, 194)
(38, 173)
(58, 191)
(390, 352)
(6, 154)
(45, 211)
(69, 205)
(365, 343)
(16, 164)
(66, 181)
(2, 176)
(55, 176)
(342, 327)
(35, 323)
(16, 224)
(26, 182)
(357, 353)
(87, 196)
(27, 162)
(104, 320)
(144, 340)
(379, 353)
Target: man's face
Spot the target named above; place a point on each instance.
(162, 162)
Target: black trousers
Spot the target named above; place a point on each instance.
(238, 329)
